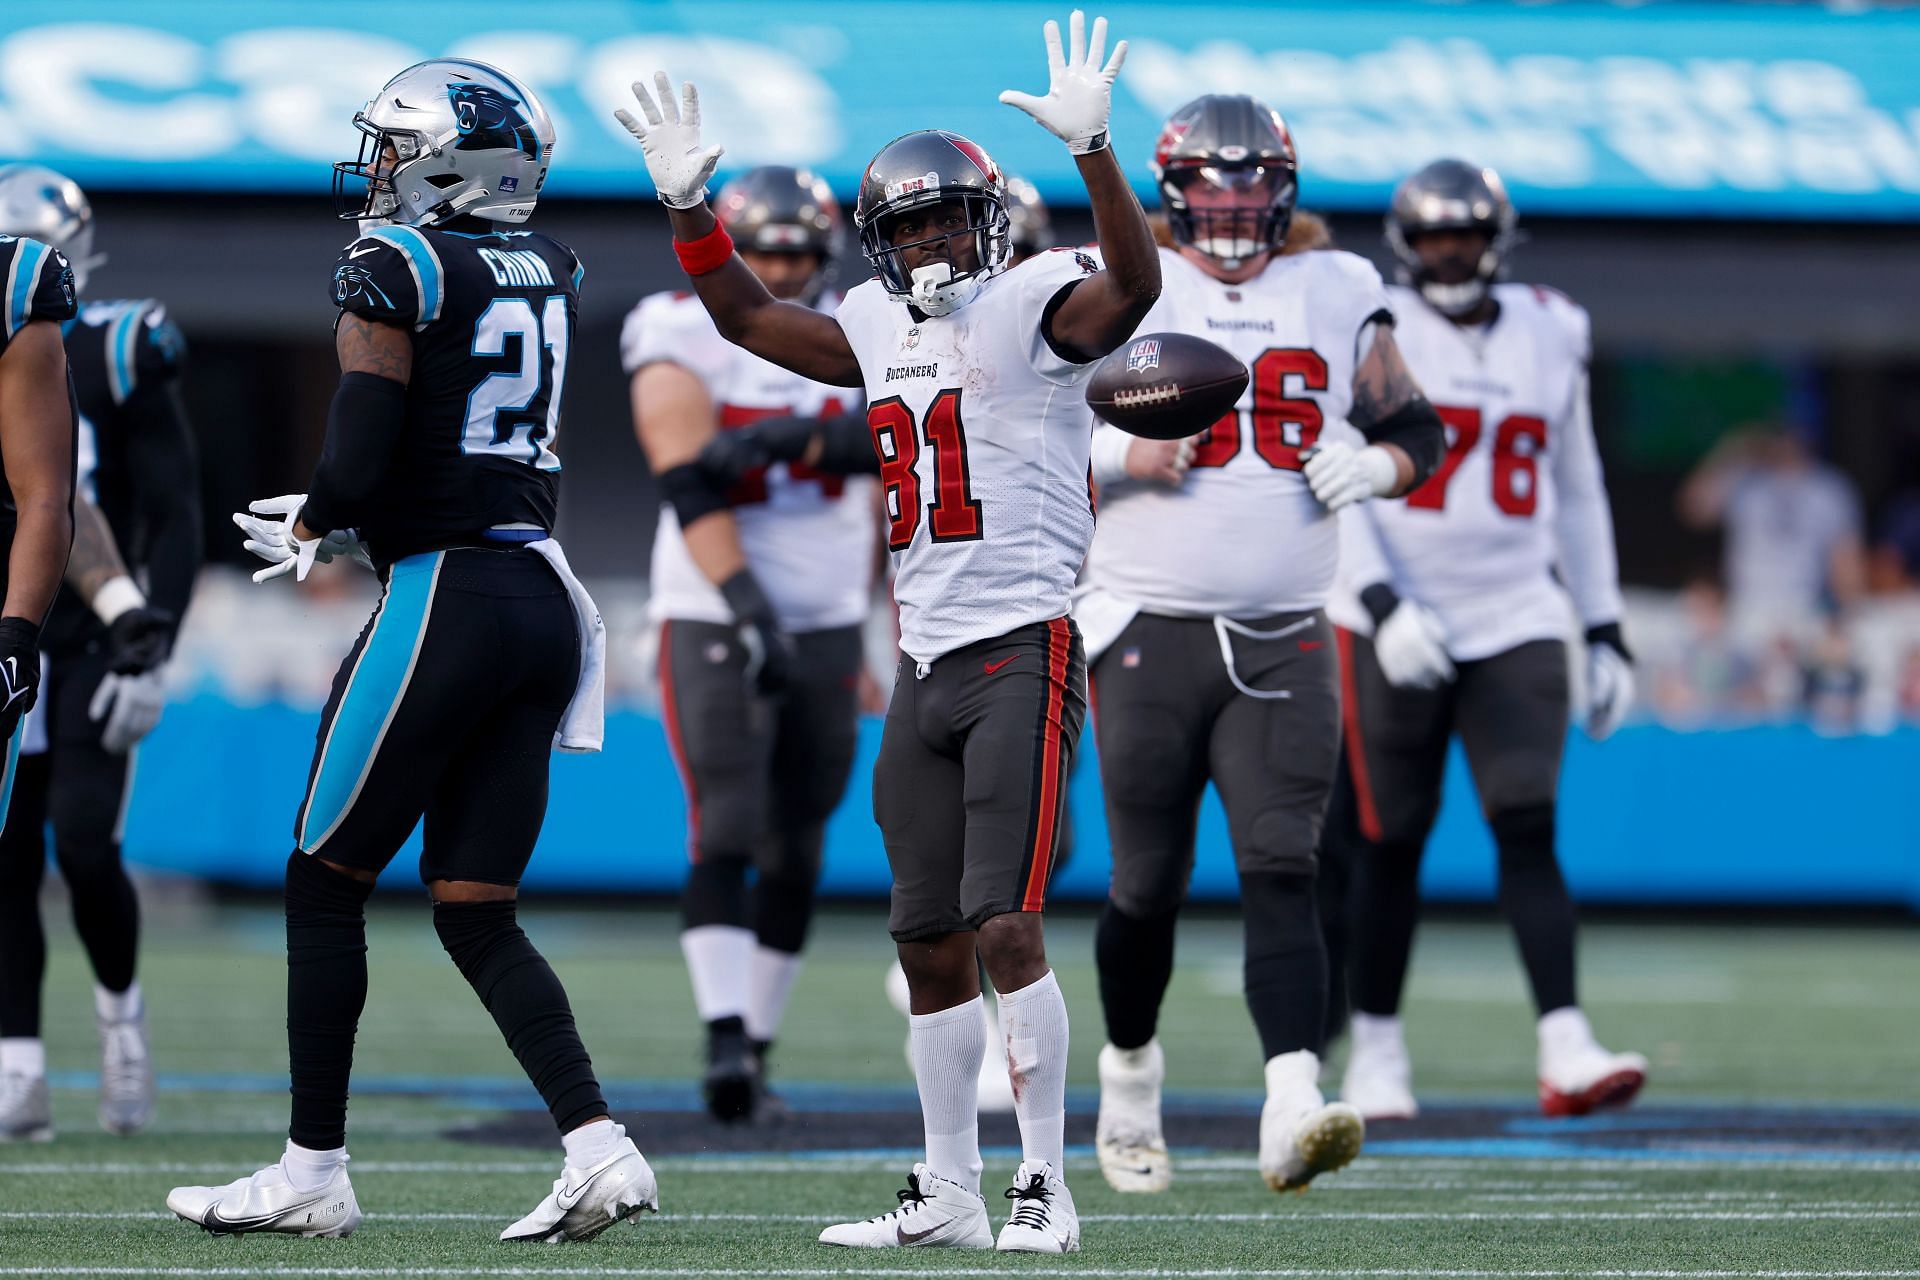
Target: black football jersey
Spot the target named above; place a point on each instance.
(114, 348)
(492, 317)
(38, 285)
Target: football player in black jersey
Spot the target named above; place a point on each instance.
(483, 655)
(104, 642)
(36, 532)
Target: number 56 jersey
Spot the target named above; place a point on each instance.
(492, 318)
(984, 438)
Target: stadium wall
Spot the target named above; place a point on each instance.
(1774, 816)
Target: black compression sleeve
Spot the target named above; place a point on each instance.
(166, 492)
(846, 446)
(1416, 428)
(363, 429)
(692, 494)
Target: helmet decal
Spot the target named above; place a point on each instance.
(488, 118)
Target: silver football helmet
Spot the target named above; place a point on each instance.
(917, 171)
(1452, 195)
(444, 139)
(50, 207)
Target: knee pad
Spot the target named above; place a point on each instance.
(782, 911)
(715, 893)
(317, 894)
(1148, 885)
(1524, 834)
(1278, 841)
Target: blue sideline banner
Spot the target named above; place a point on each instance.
(1784, 111)
(1775, 816)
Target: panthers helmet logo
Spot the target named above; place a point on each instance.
(488, 119)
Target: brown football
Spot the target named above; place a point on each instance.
(1166, 386)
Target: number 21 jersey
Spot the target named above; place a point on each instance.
(984, 437)
(492, 317)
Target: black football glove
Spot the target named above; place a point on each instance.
(19, 672)
(769, 649)
(731, 454)
(139, 640)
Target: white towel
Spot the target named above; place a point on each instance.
(584, 727)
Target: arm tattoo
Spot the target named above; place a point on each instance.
(1381, 385)
(366, 346)
(96, 557)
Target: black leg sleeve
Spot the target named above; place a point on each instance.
(1135, 954)
(326, 990)
(1534, 898)
(23, 866)
(1385, 907)
(524, 995)
(1286, 961)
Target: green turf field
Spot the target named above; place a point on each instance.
(1781, 1135)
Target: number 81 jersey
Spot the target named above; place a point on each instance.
(492, 318)
(984, 438)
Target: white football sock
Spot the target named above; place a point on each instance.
(23, 1056)
(1295, 1078)
(1034, 1019)
(770, 978)
(591, 1143)
(1375, 1032)
(117, 1006)
(307, 1169)
(1565, 1030)
(947, 1053)
(717, 959)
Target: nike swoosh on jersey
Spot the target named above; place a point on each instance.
(1308, 646)
(361, 253)
(995, 666)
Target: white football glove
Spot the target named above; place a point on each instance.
(1609, 689)
(130, 705)
(269, 525)
(670, 140)
(1079, 91)
(1341, 475)
(1411, 646)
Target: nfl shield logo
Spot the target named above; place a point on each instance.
(509, 184)
(1130, 658)
(1144, 355)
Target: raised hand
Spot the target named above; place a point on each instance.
(1079, 97)
(670, 140)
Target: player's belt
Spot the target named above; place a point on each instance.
(512, 536)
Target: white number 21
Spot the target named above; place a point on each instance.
(522, 394)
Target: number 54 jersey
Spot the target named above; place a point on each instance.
(984, 438)
(492, 318)
(1243, 536)
(1519, 491)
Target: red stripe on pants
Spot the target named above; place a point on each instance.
(1356, 750)
(675, 744)
(1059, 645)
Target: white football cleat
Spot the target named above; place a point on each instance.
(1301, 1134)
(585, 1202)
(1379, 1079)
(267, 1202)
(126, 1074)
(1044, 1219)
(933, 1213)
(1577, 1075)
(26, 1114)
(1128, 1137)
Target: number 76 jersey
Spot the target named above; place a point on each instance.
(984, 438)
(492, 318)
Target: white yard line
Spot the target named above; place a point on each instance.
(834, 1273)
(1838, 1213)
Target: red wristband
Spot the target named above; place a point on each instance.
(709, 253)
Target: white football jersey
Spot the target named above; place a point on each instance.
(1519, 490)
(1243, 536)
(983, 433)
(807, 537)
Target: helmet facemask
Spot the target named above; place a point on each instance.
(939, 288)
(383, 153)
(1450, 297)
(1229, 212)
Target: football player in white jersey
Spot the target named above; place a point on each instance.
(1452, 623)
(975, 382)
(1212, 658)
(760, 586)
